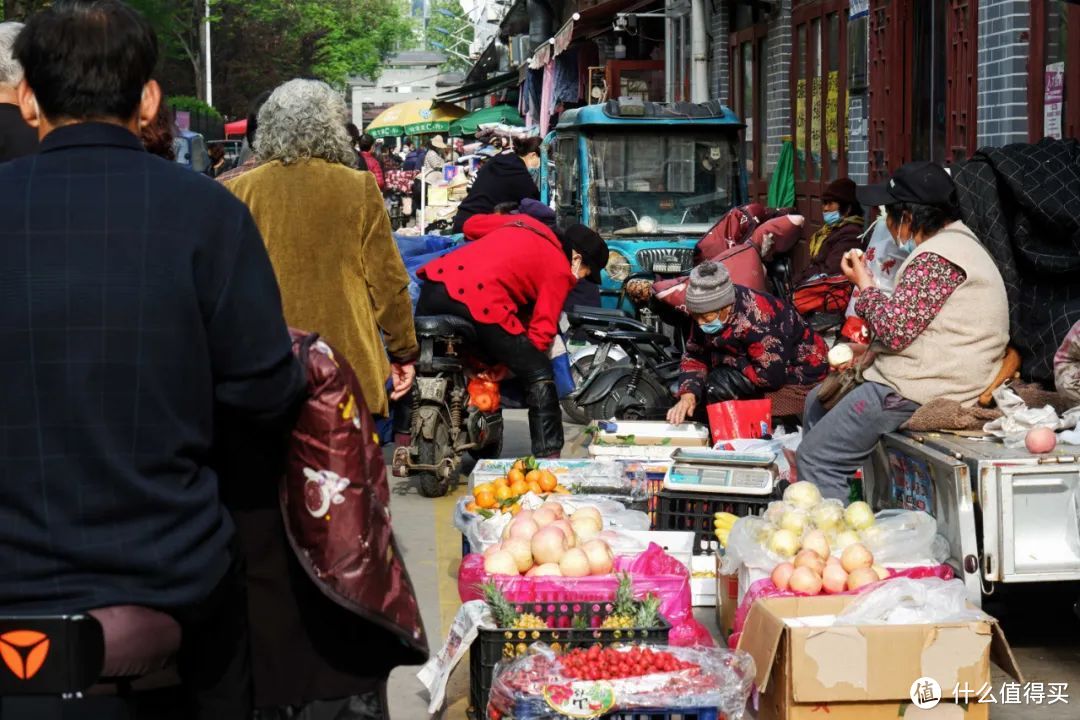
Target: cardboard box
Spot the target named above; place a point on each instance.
(727, 600)
(865, 672)
(647, 432)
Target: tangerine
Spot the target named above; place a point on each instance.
(518, 487)
(548, 481)
(485, 497)
(515, 475)
(481, 487)
(533, 476)
(534, 487)
(560, 490)
(501, 482)
(515, 508)
(502, 492)
(519, 465)
(471, 507)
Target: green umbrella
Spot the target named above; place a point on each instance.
(782, 186)
(469, 124)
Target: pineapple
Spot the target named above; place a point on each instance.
(622, 616)
(647, 614)
(504, 613)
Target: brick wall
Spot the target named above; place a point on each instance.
(718, 84)
(777, 83)
(1003, 58)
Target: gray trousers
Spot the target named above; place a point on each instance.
(836, 443)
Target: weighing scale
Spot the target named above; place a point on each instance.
(722, 471)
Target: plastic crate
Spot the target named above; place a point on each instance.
(693, 512)
(494, 645)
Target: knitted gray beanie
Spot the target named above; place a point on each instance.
(710, 288)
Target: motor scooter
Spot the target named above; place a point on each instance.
(447, 419)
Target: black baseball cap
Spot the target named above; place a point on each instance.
(593, 249)
(922, 182)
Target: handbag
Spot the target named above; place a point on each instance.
(838, 384)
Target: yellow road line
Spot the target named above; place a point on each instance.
(447, 562)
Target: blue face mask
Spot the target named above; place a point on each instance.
(832, 217)
(909, 246)
(711, 328)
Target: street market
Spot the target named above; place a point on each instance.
(622, 360)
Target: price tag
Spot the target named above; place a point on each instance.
(581, 699)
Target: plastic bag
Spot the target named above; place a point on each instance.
(783, 444)
(653, 571)
(483, 532)
(904, 536)
(739, 419)
(613, 513)
(883, 260)
(1019, 418)
(906, 601)
(436, 671)
(528, 686)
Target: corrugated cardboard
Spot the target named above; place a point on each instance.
(727, 600)
(864, 672)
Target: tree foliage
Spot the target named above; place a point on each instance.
(449, 32)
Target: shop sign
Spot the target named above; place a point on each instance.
(1053, 99)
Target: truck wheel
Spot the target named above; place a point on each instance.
(433, 452)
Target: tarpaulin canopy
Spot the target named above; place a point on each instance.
(238, 127)
(469, 124)
(415, 117)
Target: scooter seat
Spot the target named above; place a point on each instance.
(445, 326)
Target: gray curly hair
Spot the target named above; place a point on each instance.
(304, 119)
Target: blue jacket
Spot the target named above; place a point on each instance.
(136, 302)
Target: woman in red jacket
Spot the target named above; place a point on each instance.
(511, 281)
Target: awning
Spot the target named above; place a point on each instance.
(469, 124)
(238, 127)
(483, 87)
(415, 117)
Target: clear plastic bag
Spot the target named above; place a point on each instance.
(435, 673)
(523, 687)
(903, 537)
(903, 601)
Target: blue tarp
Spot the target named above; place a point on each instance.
(418, 250)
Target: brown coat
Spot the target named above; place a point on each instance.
(341, 275)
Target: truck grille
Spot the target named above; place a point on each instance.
(666, 260)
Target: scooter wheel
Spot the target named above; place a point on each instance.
(432, 452)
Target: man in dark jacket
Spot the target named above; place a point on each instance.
(503, 179)
(129, 319)
(16, 137)
(842, 231)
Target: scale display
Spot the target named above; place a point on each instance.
(718, 471)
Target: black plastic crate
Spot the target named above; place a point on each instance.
(532, 709)
(693, 512)
(491, 646)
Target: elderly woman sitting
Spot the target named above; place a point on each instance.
(744, 344)
(942, 333)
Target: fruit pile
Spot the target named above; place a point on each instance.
(813, 573)
(546, 541)
(609, 663)
(505, 493)
(803, 520)
(630, 613)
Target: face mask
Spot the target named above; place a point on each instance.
(534, 173)
(711, 328)
(832, 217)
(909, 246)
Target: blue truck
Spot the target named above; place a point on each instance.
(651, 178)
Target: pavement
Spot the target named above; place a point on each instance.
(1038, 620)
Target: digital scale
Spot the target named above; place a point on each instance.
(722, 471)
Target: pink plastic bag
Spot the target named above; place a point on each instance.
(653, 571)
(764, 588)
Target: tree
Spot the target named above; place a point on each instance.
(450, 32)
(180, 25)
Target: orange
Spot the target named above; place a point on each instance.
(518, 487)
(515, 475)
(533, 476)
(548, 481)
(501, 482)
(471, 507)
(481, 487)
(485, 498)
(515, 508)
(519, 465)
(502, 493)
(534, 487)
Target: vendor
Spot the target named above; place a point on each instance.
(744, 344)
(1067, 365)
(504, 178)
(841, 231)
(941, 334)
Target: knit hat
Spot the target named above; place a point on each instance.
(841, 190)
(710, 288)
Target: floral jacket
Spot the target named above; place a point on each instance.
(765, 338)
(1067, 365)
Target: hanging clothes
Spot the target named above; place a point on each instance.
(567, 87)
(546, 103)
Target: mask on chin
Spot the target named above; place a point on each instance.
(711, 328)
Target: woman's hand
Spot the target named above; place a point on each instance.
(682, 409)
(854, 268)
(401, 376)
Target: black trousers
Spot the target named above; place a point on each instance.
(529, 365)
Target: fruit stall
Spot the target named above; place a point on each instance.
(580, 577)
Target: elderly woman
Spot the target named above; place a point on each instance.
(941, 334)
(744, 344)
(503, 179)
(329, 239)
(842, 231)
(340, 273)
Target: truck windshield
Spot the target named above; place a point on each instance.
(677, 177)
